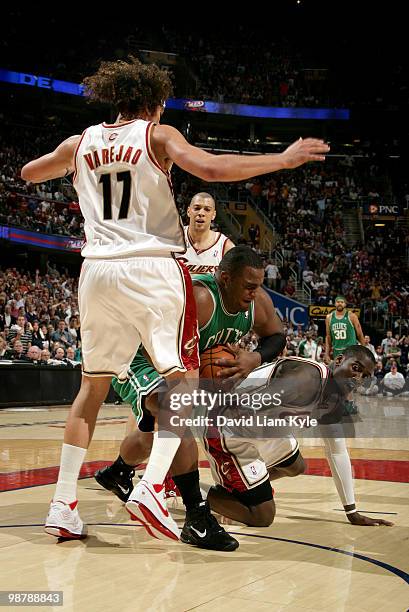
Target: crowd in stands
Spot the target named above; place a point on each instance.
(306, 208)
(256, 71)
(39, 317)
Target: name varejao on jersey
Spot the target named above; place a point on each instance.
(111, 155)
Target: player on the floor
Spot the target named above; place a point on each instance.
(251, 463)
(243, 468)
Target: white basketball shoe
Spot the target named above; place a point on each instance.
(63, 521)
(147, 505)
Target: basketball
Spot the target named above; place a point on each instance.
(208, 368)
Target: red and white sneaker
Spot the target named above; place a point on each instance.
(63, 521)
(147, 505)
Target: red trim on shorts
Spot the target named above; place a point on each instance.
(230, 476)
(189, 350)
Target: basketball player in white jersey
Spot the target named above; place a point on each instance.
(205, 248)
(131, 288)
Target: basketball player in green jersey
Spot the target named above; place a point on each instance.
(343, 330)
(229, 305)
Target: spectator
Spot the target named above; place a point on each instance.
(379, 373)
(272, 274)
(386, 342)
(74, 330)
(393, 382)
(45, 356)
(70, 359)
(5, 352)
(307, 347)
(392, 354)
(404, 349)
(320, 352)
(369, 345)
(18, 351)
(36, 339)
(59, 354)
(379, 355)
(291, 345)
(289, 289)
(17, 328)
(62, 335)
(34, 354)
(299, 332)
(6, 319)
(252, 232)
(45, 336)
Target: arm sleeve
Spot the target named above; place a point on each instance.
(270, 347)
(338, 458)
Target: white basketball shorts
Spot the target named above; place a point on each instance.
(126, 302)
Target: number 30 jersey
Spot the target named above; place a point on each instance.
(342, 332)
(125, 197)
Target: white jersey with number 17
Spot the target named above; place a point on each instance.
(125, 197)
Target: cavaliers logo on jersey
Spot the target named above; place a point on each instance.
(190, 345)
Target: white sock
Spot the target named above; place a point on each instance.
(72, 458)
(164, 448)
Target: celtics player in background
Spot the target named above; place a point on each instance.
(229, 304)
(343, 330)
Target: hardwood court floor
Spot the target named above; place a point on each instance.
(309, 559)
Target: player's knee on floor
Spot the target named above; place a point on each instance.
(263, 514)
(260, 503)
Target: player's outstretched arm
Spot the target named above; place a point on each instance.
(53, 165)
(169, 142)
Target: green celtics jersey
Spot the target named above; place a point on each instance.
(342, 333)
(223, 326)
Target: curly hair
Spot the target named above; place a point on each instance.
(132, 87)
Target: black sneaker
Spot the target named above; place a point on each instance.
(202, 529)
(119, 483)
